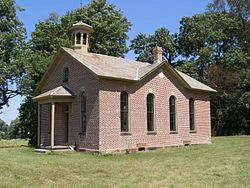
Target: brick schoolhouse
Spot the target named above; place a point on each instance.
(107, 104)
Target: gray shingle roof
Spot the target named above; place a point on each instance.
(125, 69)
(109, 66)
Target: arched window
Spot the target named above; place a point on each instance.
(78, 38)
(83, 113)
(172, 113)
(84, 38)
(191, 114)
(150, 112)
(65, 74)
(124, 111)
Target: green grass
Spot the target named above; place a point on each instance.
(225, 163)
(13, 143)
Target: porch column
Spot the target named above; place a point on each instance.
(38, 126)
(52, 124)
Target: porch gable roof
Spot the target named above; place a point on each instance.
(56, 93)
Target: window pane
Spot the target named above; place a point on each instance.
(124, 111)
(150, 112)
(84, 38)
(66, 74)
(78, 38)
(191, 114)
(172, 113)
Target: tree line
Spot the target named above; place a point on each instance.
(11, 131)
(212, 47)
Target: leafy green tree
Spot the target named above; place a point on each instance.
(240, 8)
(110, 27)
(3, 126)
(13, 131)
(12, 35)
(143, 45)
(28, 120)
(212, 45)
(37, 63)
(212, 38)
(50, 35)
(3, 129)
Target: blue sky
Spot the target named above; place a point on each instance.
(145, 15)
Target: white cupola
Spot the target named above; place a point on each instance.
(80, 36)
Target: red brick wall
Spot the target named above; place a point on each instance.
(80, 80)
(162, 86)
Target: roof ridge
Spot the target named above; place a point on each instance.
(98, 54)
(137, 73)
(56, 89)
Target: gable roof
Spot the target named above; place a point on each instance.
(60, 91)
(105, 66)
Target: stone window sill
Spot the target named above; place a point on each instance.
(193, 131)
(151, 133)
(173, 132)
(125, 133)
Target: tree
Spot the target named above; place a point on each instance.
(143, 45)
(240, 8)
(12, 35)
(3, 126)
(109, 38)
(13, 130)
(110, 27)
(212, 39)
(28, 121)
(212, 45)
(50, 35)
(3, 129)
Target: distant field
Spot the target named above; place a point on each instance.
(225, 163)
(13, 143)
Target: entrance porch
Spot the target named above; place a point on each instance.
(54, 112)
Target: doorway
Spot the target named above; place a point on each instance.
(66, 124)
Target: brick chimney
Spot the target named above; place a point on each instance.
(157, 52)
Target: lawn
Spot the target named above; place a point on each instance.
(225, 163)
(12, 143)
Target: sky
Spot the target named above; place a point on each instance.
(145, 15)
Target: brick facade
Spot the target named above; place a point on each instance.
(162, 86)
(79, 80)
(103, 111)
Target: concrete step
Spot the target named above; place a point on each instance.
(48, 149)
(43, 151)
(57, 147)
